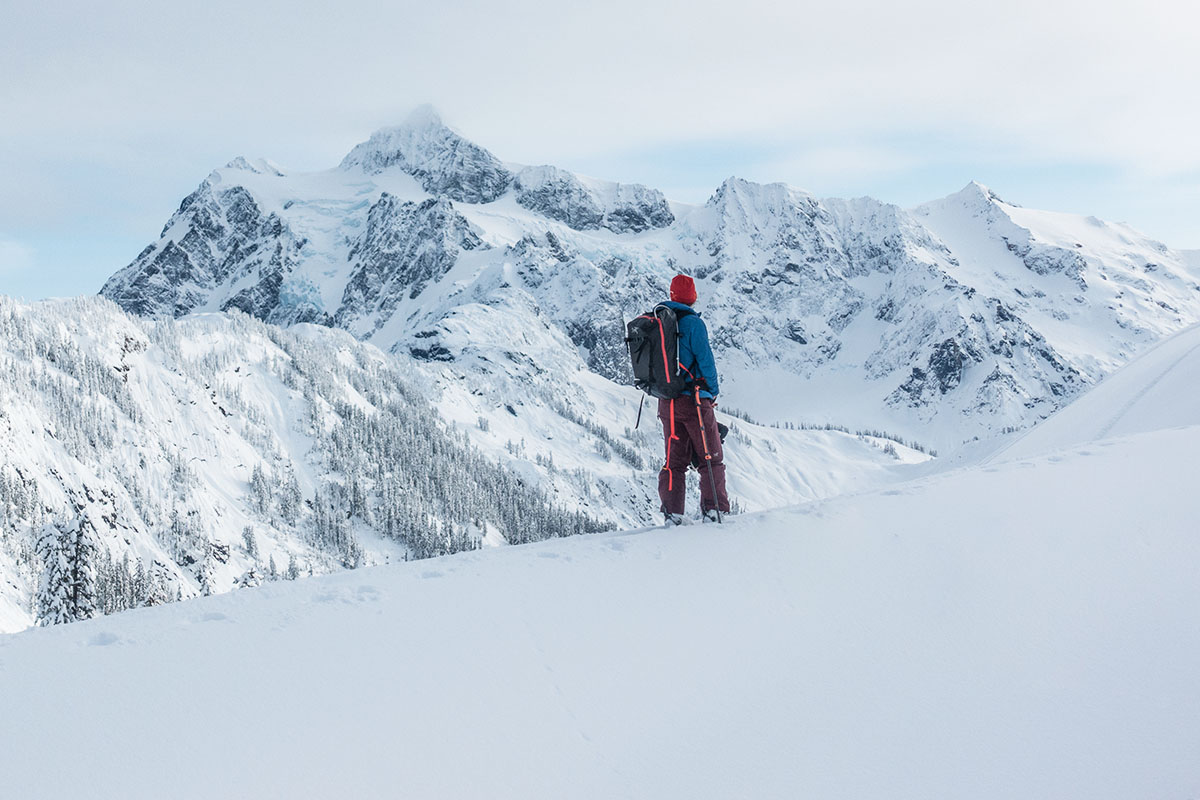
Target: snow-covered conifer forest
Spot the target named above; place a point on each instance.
(152, 461)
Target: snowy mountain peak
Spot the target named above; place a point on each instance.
(976, 193)
(259, 166)
(738, 200)
(779, 192)
(442, 161)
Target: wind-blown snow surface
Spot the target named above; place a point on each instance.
(1025, 630)
(1159, 390)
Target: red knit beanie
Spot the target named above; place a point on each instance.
(683, 290)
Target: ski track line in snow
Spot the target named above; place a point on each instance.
(1112, 423)
(1103, 432)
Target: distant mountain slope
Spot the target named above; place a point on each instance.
(1025, 631)
(192, 457)
(956, 319)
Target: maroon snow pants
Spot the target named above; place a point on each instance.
(681, 430)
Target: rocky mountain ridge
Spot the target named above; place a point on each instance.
(958, 318)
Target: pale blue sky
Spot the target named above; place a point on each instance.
(111, 113)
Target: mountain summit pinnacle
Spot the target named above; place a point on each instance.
(977, 190)
(445, 163)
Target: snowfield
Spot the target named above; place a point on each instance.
(1023, 627)
(1154, 392)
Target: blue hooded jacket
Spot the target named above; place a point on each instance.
(695, 353)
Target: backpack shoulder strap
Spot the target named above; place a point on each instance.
(679, 313)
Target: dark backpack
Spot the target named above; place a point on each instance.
(653, 342)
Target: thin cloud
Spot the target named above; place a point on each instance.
(15, 257)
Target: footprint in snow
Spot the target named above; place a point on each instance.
(432, 573)
(103, 639)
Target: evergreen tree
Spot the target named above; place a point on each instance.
(204, 575)
(54, 589)
(83, 551)
(250, 578)
(260, 490)
(290, 497)
(250, 541)
(68, 588)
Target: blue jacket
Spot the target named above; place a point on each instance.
(695, 353)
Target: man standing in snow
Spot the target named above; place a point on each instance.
(683, 417)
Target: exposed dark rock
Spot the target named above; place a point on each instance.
(844, 317)
(434, 352)
(795, 332)
(405, 246)
(559, 195)
(220, 235)
(946, 365)
(562, 196)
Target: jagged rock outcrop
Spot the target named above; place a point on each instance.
(559, 195)
(219, 237)
(404, 247)
(563, 196)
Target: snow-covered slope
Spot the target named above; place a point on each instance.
(956, 319)
(1097, 290)
(217, 451)
(1156, 391)
(1022, 630)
